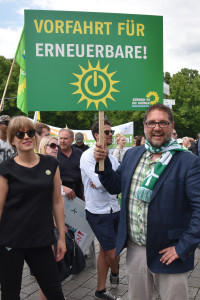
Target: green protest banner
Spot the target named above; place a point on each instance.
(20, 53)
(21, 93)
(79, 61)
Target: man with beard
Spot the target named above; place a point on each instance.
(160, 213)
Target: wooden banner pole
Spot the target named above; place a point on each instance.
(101, 137)
(5, 89)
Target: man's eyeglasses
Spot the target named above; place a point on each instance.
(161, 124)
(4, 123)
(109, 131)
(52, 145)
(174, 133)
(21, 134)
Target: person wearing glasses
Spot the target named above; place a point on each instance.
(48, 146)
(160, 212)
(30, 196)
(6, 150)
(102, 213)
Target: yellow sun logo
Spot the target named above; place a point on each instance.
(155, 95)
(95, 85)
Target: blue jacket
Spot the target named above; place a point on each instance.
(173, 213)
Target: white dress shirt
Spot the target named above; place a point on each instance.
(97, 200)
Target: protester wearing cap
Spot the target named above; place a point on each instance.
(6, 150)
(79, 137)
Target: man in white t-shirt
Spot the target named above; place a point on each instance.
(102, 213)
(6, 150)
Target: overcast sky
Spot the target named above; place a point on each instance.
(181, 24)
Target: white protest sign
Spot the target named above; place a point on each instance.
(75, 217)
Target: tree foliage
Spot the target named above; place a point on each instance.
(10, 103)
(184, 88)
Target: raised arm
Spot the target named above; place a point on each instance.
(110, 179)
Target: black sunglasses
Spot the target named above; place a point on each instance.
(52, 145)
(21, 134)
(109, 131)
(4, 123)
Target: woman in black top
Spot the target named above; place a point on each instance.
(30, 196)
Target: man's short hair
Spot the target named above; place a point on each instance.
(68, 130)
(39, 126)
(160, 107)
(95, 126)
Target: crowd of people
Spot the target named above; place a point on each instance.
(157, 219)
(192, 144)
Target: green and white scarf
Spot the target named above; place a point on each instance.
(145, 191)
